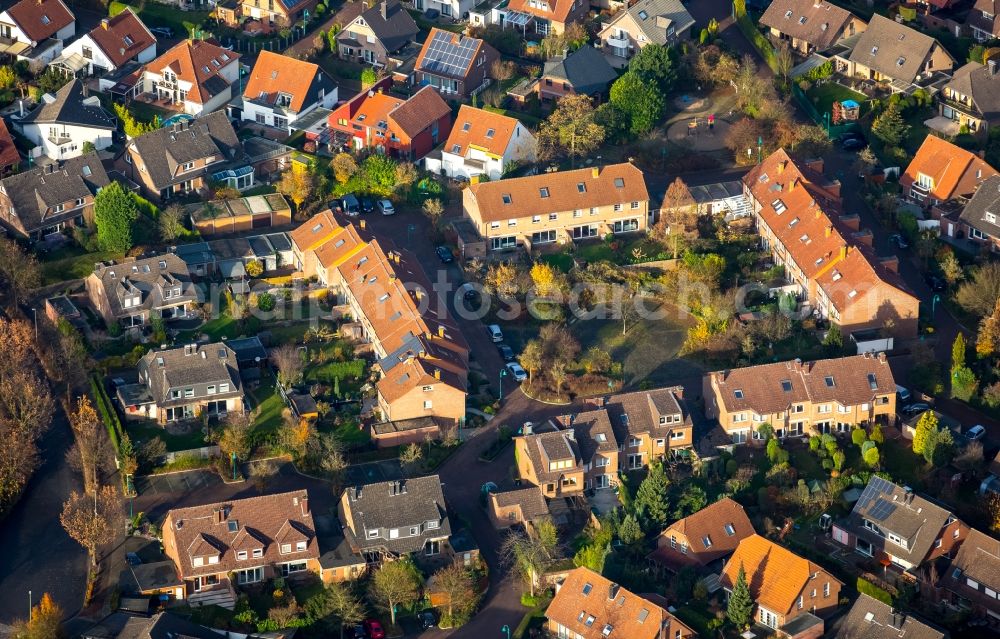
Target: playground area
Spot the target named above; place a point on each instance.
(700, 133)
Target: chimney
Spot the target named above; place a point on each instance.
(795, 183)
(362, 223)
(527, 429)
(105, 23)
(828, 231)
(595, 172)
(781, 167)
(384, 7)
(612, 591)
(843, 252)
(204, 355)
(219, 515)
(304, 503)
(891, 263)
(418, 293)
(992, 64)
(440, 331)
(437, 373)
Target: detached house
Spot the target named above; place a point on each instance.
(35, 30)
(891, 52)
(550, 461)
(185, 383)
(907, 528)
(810, 25)
(422, 357)
(558, 207)
(585, 72)
(390, 519)
(979, 217)
(281, 90)
(703, 538)
(246, 540)
(373, 33)
(973, 579)
(51, 198)
(113, 44)
(546, 16)
(589, 606)
(824, 252)
(783, 585)
(453, 63)
(802, 398)
(661, 22)
(941, 171)
(972, 97)
(407, 128)
(483, 143)
(63, 123)
(181, 159)
(195, 75)
(136, 291)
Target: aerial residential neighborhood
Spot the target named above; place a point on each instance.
(526, 319)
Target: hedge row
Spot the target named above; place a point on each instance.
(754, 35)
(107, 411)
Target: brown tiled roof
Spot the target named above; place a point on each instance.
(586, 603)
(894, 49)
(485, 130)
(114, 39)
(530, 500)
(543, 448)
(818, 23)
(555, 10)
(419, 112)
(989, 25)
(214, 529)
(762, 388)
(9, 155)
(977, 559)
(601, 186)
(315, 232)
(274, 73)
(775, 574)
(41, 19)
(199, 62)
(955, 171)
(640, 412)
(714, 523)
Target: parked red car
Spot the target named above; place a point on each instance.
(374, 629)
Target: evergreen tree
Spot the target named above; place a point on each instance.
(939, 448)
(115, 212)
(740, 606)
(651, 501)
(629, 532)
(927, 424)
(890, 127)
(958, 352)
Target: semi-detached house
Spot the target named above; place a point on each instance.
(973, 580)
(483, 143)
(558, 207)
(801, 398)
(281, 90)
(136, 291)
(824, 253)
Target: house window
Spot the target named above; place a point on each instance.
(371, 534)
(198, 561)
(553, 216)
(286, 548)
(300, 546)
(826, 589)
(223, 388)
(258, 553)
(88, 53)
(292, 567)
(428, 404)
(188, 392)
(241, 555)
(210, 390)
(431, 525)
(213, 559)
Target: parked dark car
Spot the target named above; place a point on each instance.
(374, 629)
(506, 352)
(936, 283)
(427, 619)
(350, 206)
(367, 204)
(897, 239)
(852, 142)
(444, 253)
(917, 407)
(357, 631)
(432, 14)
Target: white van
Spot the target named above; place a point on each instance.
(495, 333)
(903, 394)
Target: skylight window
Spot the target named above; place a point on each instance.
(786, 385)
(544, 191)
(587, 588)
(128, 41)
(901, 60)
(384, 297)
(763, 178)
(829, 381)
(206, 69)
(788, 14)
(730, 530)
(804, 239)
(779, 206)
(793, 222)
(316, 228)
(620, 183)
(872, 381)
(738, 393)
(802, 20)
(466, 127)
(852, 294)
(217, 64)
(874, 50)
(581, 187)
(506, 198)
(490, 133)
(339, 243)
(234, 525)
(45, 19)
(86, 170)
(643, 15)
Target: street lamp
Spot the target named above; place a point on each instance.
(934, 302)
(506, 630)
(29, 606)
(34, 314)
(503, 373)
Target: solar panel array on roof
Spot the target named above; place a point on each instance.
(447, 57)
(881, 509)
(873, 500)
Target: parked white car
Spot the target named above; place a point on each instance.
(495, 333)
(515, 371)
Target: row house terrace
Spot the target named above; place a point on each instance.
(802, 398)
(824, 253)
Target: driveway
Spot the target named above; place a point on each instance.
(38, 555)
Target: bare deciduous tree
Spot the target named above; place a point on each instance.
(288, 360)
(93, 521)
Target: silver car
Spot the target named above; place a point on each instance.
(386, 207)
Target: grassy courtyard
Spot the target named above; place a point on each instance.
(154, 14)
(71, 263)
(823, 96)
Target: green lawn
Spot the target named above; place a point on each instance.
(154, 14)
(72, 263)
(902, 464)
(147, 430)
(806, 463)
(562, 261)
(271, 405)
(596, 251)
(823, 96)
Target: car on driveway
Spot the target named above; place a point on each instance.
(506, 352)
(515, 371)
(163, 32)
(852, 142)
(373, 629)
(897, 239)
(386, 207)
(917, 407)
(367, 205)
(975, 433)
(427, 619)
(495, 333)
(444, 254)
(350, 206)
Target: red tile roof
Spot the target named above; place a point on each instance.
(714, 523)
(9, 155)
(482, 129)
(197, 62)
(419, 112)
(954, 171)
(41, 19)
(122, 37)
(274, 73)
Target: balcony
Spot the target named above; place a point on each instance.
(59, 139)
(964, 107)
(618, 43)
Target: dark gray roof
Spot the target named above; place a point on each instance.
(983, 87)
(655, 16)
(149, 278)
(247, 349)
(396, 505)
(156, 576)
(392, 24)
(163, 150)
(594, 433)
(869, 618)
(983, 211)
(109, 627)
(340, 555)
(894, 509)
(70, 106)
(33, 193)
(165, 625)
(194, 366)
(891, 43)
(586, 69)
(530, 499)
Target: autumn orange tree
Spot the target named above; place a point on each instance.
(93, 520)
(45, 621)
(678, 215)
(89, 447)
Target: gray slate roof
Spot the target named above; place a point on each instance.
(869, 618)
(978, 559)
(70, 106)
(894, 509)
(397, 505)
(34, 192)
(983, 211)
(396, 29)
(163, 150)
(892, 42)
(646, 14)
(818, 23)
(975, 80)
(147, 277)
(165, 625)
(194, 366)
(586, 69)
